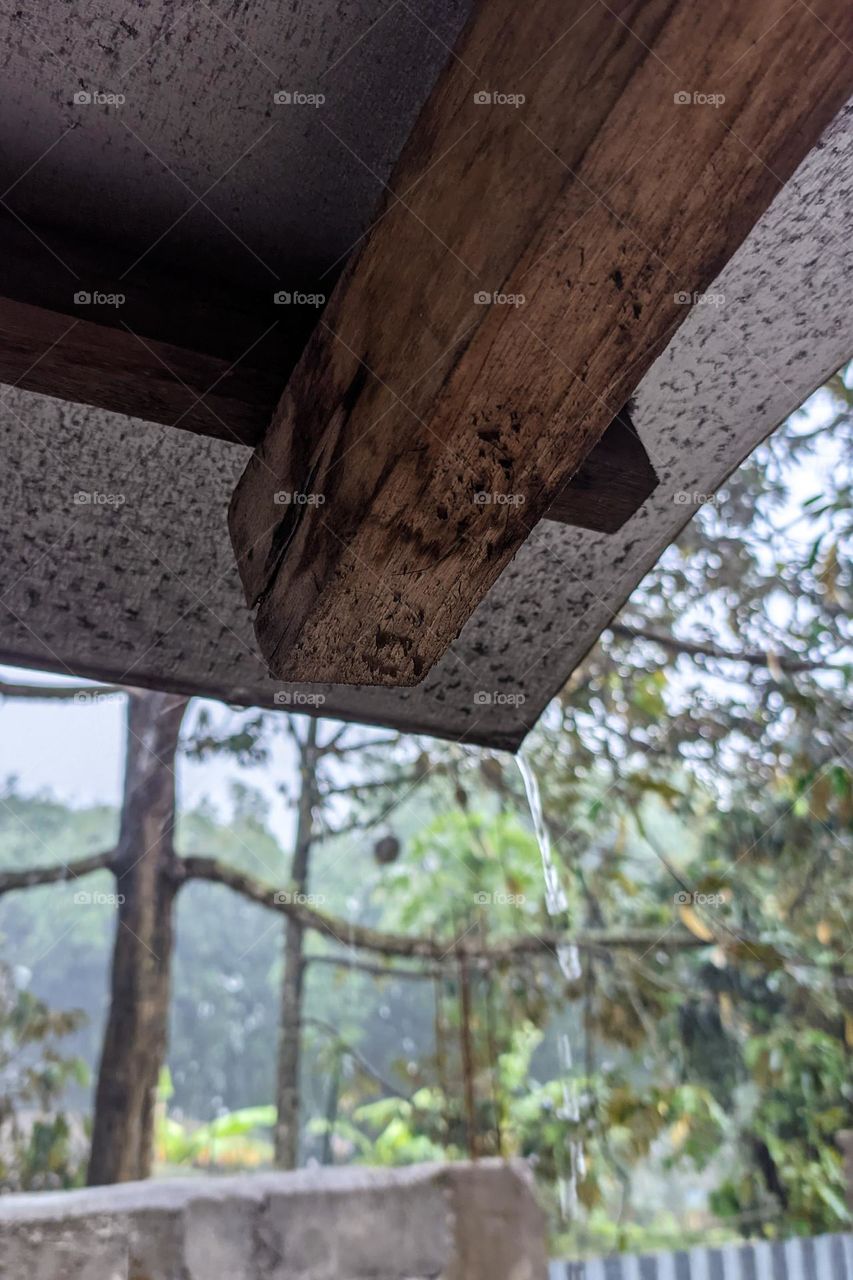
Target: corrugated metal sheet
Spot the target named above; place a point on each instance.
(823, 1258)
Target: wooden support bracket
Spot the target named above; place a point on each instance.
(575, 183)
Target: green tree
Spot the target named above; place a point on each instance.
(696, 778)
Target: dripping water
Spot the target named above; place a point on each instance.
(568, 958)
(556, 902)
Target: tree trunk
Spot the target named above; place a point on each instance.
(290, 1028)
(134, 1045)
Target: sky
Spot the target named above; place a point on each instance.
(75, 752)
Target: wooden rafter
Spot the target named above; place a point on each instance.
(185, 354)
(589, 169)
(84, 323)
(612, 482)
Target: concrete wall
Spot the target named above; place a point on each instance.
(425, 1222)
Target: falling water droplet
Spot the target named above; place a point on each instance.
(568, 958)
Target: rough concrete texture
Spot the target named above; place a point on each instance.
(426, 1222)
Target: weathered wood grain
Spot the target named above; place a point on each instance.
(88, 363)
(611, 484)
(48, 269)
(605, 202)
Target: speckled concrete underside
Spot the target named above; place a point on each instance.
(138, 585)
(286, 192)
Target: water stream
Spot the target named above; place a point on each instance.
(556, 902)
(568, 958)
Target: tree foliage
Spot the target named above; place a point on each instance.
(37, 1151)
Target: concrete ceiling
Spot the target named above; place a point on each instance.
(138, 583)
(286, 190)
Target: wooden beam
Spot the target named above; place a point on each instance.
(172, 340)
(651, 137)
(95, 364)
(75, 323)
(611, 484)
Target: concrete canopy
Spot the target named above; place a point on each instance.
(136, 583)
